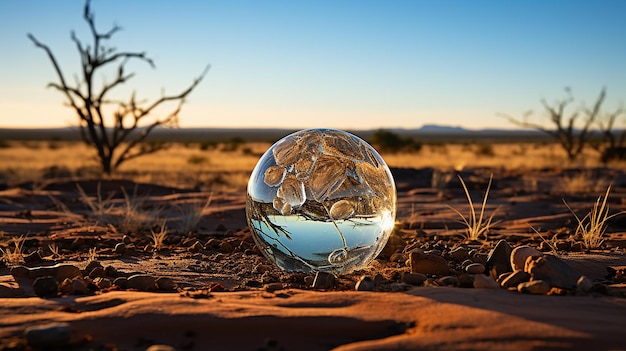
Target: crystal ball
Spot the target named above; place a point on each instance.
(321, 200)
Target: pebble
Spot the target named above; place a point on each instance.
(539, 287)
(584, 284)
(428, 264)
(59, 271)
(97, 272)
(499, 259)
(160, 347)
(120, 248)
(166, 284)
(273, 287)
(196, 247)
(413, 278)
(482, 281)
(102, 282)
(466, 263)
(553, 270)
(46, 286)
(475, 268)
(365, 283)
(48, 336)
(514, 279)
(7, 291)
(127, 240)
(398, 287)
(141, 282)
(92, 265)
(121, 282)
(459, 254)
(520, 254)
(448, 280)
(323, 280)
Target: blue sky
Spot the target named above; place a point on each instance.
(344, 64)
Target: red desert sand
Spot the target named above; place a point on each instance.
(214, 291)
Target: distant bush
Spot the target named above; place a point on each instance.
(388, 141)
(208, 145)
(485, 150)
(197, 160)
(4, 144)
(233, 144)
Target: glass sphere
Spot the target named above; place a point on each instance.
(321, 200)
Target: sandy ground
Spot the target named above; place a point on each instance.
(297, 317)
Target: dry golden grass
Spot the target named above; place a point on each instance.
(187, 165)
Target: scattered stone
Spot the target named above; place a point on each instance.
(308, 280)
(79, 287)
(379, 279)
(8, 291)
(196, 247)
(499, 259)
(428, 264)
(553, 270)
(459, 254)
(110, 271)
(365, 283)
(212, 244)
(323, 280)
(465, 281)
(539, 287)
(48, 336)
(261, 268)
(97, 272)
(398, 287)
(584, 284)
(482, 281)
(226, 247)
(127, 240)
(520, 254)
(514, 279)
(141, 282)
(166, 284)
(273, 287)
(466, 263)
(120, 248)
(59, 271)
(413, 278)
(102, 282)
(395, 243)
(46, 286)
(93, 265)
(121, 282)
(448, 280)
(33, 257)
(475, 268)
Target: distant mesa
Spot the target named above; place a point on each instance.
(442, 129)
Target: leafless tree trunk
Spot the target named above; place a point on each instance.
(614, 145)
(124, 140)
(572, 139)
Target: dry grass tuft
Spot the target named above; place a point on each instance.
(591, 227)
(158, 238)
(191, 214)
(14, 256)
(476, 226)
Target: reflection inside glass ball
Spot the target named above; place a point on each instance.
(321, 200)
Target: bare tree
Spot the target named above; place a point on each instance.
(132, 121)
(571, 137)
(614, 144)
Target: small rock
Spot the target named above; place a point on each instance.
(413, 278)
(166, 284)
(212, 244)
(160, 347)
(514, 279)
(79, 287)
(482, 281)
(8, 291)
(121, 282)
(398, 287)
(120, 248)
(428, 264)
(397, 257)
(584, 284)
(365, 283)
(141, 282)
(394, 244)
(553, 270)
(499, 259)
(539, 287)
(475, 268)
(97, 272)
(459, 254)
(93, 265)
(48, 336)
(127, 240)
(379, 279)
(261, 268)
(226, 247)
(323, 280)
(46, 286)
(110, 271)
(466, 263)
(273, 287)
(102, 282)
(196, 247)
(33, 257)
(520, 254)
(308, 280)
(449, 280)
